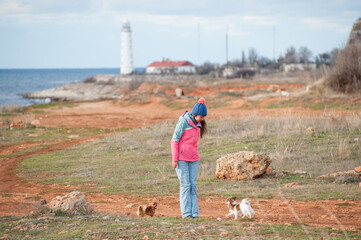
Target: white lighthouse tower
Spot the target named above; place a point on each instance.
(126, 59)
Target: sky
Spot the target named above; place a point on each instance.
(86, 33)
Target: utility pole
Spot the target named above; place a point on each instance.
(274, 43)
(227, 46)
(199, 45)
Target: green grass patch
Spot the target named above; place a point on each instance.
(53, 104)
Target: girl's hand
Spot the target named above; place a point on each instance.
(174, 164)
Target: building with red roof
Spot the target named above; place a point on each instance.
(167, 66)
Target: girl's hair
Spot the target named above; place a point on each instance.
(204, 129)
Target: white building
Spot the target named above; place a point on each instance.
(170, 67)
(126, 58)
(293, 67)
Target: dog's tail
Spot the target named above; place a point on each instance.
(140, 211)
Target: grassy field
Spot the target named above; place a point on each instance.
(139, 161)
(120, 227)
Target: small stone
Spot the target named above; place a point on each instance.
(146, 237)
(33, 135)
(219, 219)
(193, 231)
(293, 184)
(73, 136)
(358, 169)
(179, 92)
(35, 123)
(359, 184)
(130, 205)
(310, 129)
(223, 234)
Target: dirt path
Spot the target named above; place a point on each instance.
(111, 114)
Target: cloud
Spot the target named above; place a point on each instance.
(9, 7)
(320, 24)
(260, 20)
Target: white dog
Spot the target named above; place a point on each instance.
(235, 208)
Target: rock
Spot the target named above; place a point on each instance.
(351, 175)
(293, 184)
(310, 129)
(243, 165)
(358, 169)
(73, 136)
(35, 123)
(273, 88)
(179, 92)
(73, 203)
(300, 172)
(33, 135)
(359, 184)
(1, 124)
(130, 205)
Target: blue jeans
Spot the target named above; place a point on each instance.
(187, 173)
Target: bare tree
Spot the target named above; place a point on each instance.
(252, 55)
(324, 58)
(304, 55)
(264, 61)
(236, 63)
(244, 61)
(205, 68)
(290, 55)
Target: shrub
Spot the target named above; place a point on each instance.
(89, 80)
(346, 74)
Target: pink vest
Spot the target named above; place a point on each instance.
(186, 149)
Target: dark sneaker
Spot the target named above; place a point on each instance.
(188, 217)
(196, 217)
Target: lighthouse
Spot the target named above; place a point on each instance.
(126, 58)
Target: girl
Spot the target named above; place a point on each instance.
(185, 158)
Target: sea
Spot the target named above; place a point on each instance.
(17, 81)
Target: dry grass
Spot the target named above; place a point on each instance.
(140, 158)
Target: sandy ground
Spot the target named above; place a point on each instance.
(16, 195)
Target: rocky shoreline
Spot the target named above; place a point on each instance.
(103, 86)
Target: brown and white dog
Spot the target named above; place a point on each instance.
(148, 209)
(235, 208)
